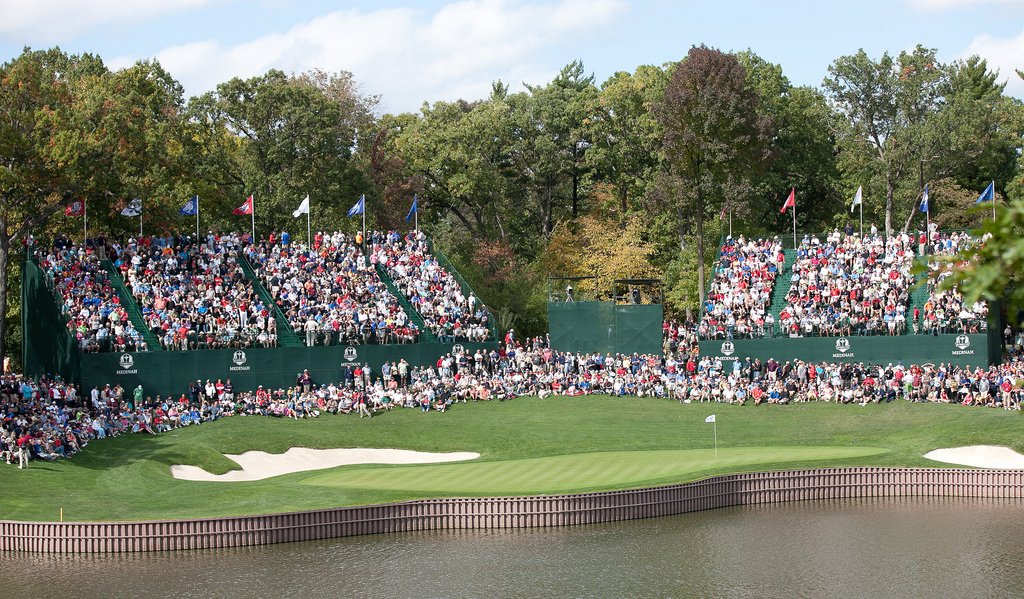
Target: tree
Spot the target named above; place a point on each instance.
(281, 138)
(558, 113)
(908, 122)
(625, 133)
(72, 130)
(716, 139)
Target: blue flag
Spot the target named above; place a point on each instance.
(413, 209)
(358, 208)
(989, 195)
(191, 207)
(924, 200)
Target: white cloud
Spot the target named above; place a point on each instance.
(1003, 54)
(52, 21)
(408, 55)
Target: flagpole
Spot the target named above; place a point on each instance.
(730, 223)
(85, 224)
(197, 218)
(794, 223)
(309, 239)
(253, 213)
(993, 201)
(716, 437)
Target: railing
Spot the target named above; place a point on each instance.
(510, 512)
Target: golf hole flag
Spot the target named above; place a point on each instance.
(710, 418)
(245, 208)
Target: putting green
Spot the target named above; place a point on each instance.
(574, 472)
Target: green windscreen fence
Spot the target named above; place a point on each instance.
(965, 350)
(47, 346)
(605, 327)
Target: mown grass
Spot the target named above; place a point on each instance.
(129, 478)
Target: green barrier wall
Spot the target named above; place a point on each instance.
(965, 350)
(47, 345)
(171, 372)
(605, 327)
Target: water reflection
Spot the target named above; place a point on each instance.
(930, 547)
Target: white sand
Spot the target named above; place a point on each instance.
(257, 465)
(980, 456)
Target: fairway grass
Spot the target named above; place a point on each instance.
(576, 472)
(523, 444)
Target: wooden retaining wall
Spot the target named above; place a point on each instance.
(509, 512)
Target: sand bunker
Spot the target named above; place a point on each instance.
(980, 456)
(257, 465)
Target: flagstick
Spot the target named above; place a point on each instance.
(794, 224)
(716, 437)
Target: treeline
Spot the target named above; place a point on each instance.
(636, 176)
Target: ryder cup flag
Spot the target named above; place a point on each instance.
(303, 208)
(857, 199)
(790, 203)
(77, 208)
(358, 208)
(191, 207)
(133, 209)
(710, 418)
(924, 200)
(989, 195)
(245, 208)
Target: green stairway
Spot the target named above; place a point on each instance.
(286, 337)
(426, 335)
(131, 306)
(782, 284)
(918, 298)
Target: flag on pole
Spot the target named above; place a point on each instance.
(134, 208)
(722, 215)
(791, 202)
(359, 206)
(191, 207)
(245, 208)
(303, 208)
(412, 210)
(857, 199)
(77, 208)
(989, 195)
(924, 199)
(710, 418)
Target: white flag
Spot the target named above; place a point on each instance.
(134, 208)
(303, 208)
(710, 418)
(857, 198)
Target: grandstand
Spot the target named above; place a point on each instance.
(843, 297)
(163, 312)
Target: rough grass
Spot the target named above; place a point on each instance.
(129, 478)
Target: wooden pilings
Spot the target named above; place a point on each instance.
(508, 512)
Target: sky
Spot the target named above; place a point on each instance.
(415, 51)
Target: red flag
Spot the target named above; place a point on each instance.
(722, 215)
(245, 208)
(77, 208)
(791, 202)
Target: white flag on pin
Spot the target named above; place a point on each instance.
(710, 418)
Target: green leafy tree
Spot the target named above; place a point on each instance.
(716, 139)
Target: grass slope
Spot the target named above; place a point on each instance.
(128, 478)
(575, 472)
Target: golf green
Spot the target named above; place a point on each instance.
(574, 472)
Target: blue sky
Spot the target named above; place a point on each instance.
(415, 51)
